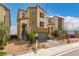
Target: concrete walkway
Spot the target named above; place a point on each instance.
(54, 51)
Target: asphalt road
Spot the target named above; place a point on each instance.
(72, 53)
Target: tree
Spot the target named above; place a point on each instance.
(2, 35)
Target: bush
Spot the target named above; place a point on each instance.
(1, 48)
(43, 45)
(55, 33)
(1, 41)
(31, 38)
(2, 35)
(2, 53)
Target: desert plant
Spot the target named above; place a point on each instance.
(59, 33)
(43, 45)
(55, 33)
(31, 38)
(66, 34)
(2, 35)
(2, 53)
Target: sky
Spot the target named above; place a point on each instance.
(70, 12)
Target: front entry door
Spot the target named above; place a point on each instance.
(24, 31)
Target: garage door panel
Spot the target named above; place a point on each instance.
(42, 37)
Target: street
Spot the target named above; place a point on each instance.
(54, 51)
(72, 53)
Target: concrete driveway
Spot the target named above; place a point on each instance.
(53, 43)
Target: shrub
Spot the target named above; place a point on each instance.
(60, 34)
(2, 53)
(2, 35)
(1, 39)
(31, 38)
(43, 45)
(55, 33)
(68, 42)
(1, 48)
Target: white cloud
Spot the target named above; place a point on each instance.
(55, 15)
(71, 23)
(13, 30)
(51, 16)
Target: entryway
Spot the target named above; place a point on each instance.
(24, 32)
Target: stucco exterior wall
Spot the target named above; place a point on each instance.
(45, 20)
(54, 22)
(36, 18)
(5, 19)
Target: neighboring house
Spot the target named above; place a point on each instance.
(5, 18)
(34, 19)
(74, 35)
(55, 23)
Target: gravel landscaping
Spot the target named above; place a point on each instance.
(15, 47)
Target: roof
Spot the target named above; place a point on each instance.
(4, 7)
(21, 10)
(36, 7)
(7, 10)
(56, 16)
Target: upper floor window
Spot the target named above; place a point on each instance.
(33, 12)
(49, 20)
(48, 29)
(60, 23)
(41, 15)
(23, 15)
(33, 23)
(41, 24)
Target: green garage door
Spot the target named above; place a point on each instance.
(42, 37)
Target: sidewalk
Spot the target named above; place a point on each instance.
(52, 51)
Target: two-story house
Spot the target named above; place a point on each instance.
(34, 19)
(55, 23)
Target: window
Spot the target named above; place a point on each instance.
(33, 23)
(23, 15)
(60, 23)
(48, 29)
(51, 29)
(33, 12)
(42, 15)
(41, 24)
(49, 20)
